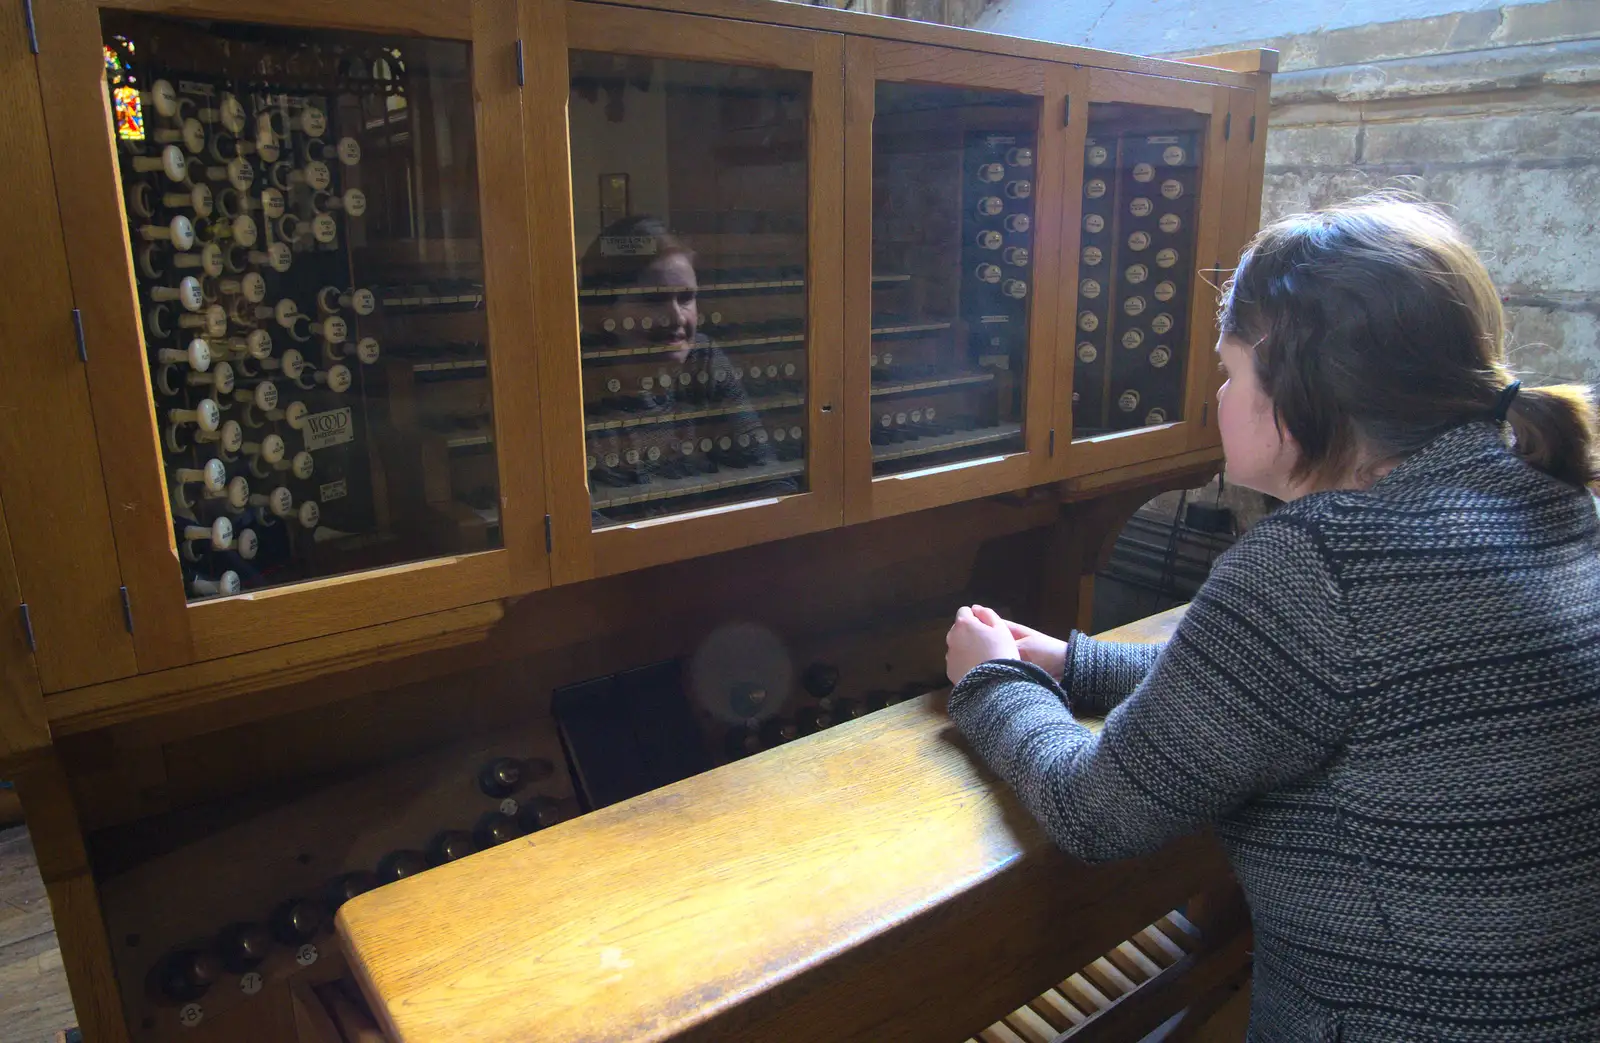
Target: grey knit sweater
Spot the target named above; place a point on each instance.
(1388, 704)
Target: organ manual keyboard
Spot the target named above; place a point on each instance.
(870, 882)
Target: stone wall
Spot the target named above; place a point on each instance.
(1495, 114)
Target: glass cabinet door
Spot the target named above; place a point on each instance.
(962, 192)
(689, 207)
(1147, 231)
(706, 302)
(301, 225)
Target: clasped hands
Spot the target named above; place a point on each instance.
(979, 635)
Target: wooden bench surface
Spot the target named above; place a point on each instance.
(870, 882)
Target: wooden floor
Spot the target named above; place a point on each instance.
(34, 1005)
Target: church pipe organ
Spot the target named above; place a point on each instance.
(515, 436)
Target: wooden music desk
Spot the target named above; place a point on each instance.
(869, 882)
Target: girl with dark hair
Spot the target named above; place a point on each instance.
(640, 254)
(1386, 697)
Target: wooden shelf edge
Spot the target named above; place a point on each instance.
(1250, 60)
(1101, 482)
(905, 30)
(99, 706)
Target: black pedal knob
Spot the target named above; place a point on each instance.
(740, 742)
(297, 921)
(812, 719)
(820, 679)
(538, 813)
(496, 828)
(346, 887)
(243, 946)
(397, 865)
(847, 710)
(776, 731)
(501, 777)
(187, 974)
(450, 845)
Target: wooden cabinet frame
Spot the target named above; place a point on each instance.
(556, 27)
(867, 63)
(167, 631)
(1196, 429)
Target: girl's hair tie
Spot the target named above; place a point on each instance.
(1503, 403)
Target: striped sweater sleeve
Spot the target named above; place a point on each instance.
(1253, 691)
(1100, 674)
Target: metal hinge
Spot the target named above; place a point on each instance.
(1052, 441)
(27, 628)
(77, 327)
(1252, 128)
(33, 34)
(549, 539)
(1066, 111)
(127, 610)
(520, 78)
(1227, 126)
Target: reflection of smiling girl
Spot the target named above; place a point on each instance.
(638, 253)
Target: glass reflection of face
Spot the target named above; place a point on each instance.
(668, 318)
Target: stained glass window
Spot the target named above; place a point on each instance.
(125, 107)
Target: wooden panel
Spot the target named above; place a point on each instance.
(1070, 221)
(49, 463)
(911, 63)
(1133, 89)
(833, 20)
(1199, 407)
(602, 27)
(281, 615)
(839, 904)
(1255, 59)
(860, 89)
(23, 728)
(415, 17)
(508, 274)
(1234, 230)
(100, 706)
(555, 286)
(63, 863)
(892, 819)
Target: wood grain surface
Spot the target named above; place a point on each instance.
(823, 891)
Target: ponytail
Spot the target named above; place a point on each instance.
(1557, 431)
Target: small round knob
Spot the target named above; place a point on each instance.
(187, 974)
(450, 845)
(496, 827)
(820, 679)
(243, 946)
(397, 865)
(778, 730)
(847, 710)
(501, 777)
(296, 921)
(538, 813)
(346, 887)
(740, 742)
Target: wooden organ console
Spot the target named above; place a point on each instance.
(483, 485)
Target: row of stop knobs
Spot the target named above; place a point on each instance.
(240, 948)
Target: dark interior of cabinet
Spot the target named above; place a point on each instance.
(952, 253)
(691, 201)
(326, 211)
